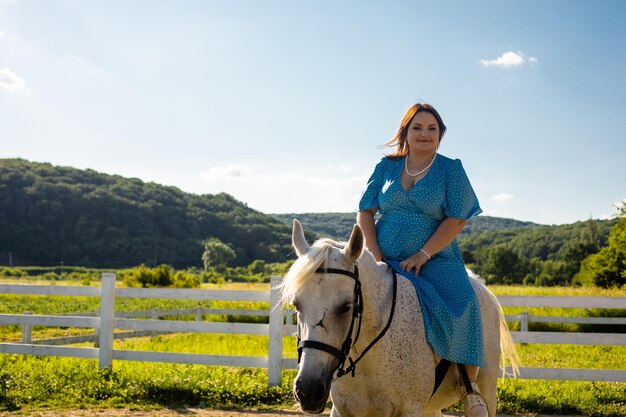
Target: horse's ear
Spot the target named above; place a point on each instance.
(297, 239)
(355, 244)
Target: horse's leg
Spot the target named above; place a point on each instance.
(433, 414)
(488, 377)
(496, 335)
(488, 389)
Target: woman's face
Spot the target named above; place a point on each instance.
(423, 133)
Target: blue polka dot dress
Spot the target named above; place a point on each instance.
(407, 220)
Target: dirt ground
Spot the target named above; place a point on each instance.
(181, 412)
(194, 412)
(178, 412)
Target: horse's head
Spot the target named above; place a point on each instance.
(325, 303)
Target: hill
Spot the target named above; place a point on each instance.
(334, 225)
(339, 225)
(541, 242)
(51, 215)
(501, 250)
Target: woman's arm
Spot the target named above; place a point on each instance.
(447, 231)
(365, 220)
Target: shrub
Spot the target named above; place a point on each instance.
(12, 272)
(161, 276)
(184, 280)
(51, 276)
(80, 276)
(212, 277)
(139, 277)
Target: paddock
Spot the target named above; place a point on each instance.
(105, 322)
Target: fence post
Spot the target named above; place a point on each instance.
(198, 313)
(523, 321)
(107, 319)
(96, 332)
(275, 359)
(27, 330)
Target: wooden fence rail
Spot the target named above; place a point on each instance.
(106, 320)
(153, 314)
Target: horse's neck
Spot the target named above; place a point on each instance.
(376, 285)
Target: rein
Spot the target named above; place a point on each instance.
(357, 313)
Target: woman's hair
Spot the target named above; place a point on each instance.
(399, 139)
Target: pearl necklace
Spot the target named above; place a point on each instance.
(406, 166)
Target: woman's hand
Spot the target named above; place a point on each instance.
(415, 262)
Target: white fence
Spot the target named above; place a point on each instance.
(564, 338)
(106, 321)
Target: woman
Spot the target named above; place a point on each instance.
(424, 200)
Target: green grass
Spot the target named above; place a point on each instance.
(28, 382)
(566, 397)
(37, 382)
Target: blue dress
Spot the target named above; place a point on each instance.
(407, 220)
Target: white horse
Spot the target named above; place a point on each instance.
(395, 375)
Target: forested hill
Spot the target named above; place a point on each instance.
(339, 225)
(51, 214)
(504, 251)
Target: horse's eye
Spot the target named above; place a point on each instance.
(344, 308)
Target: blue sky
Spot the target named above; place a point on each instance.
(284, 104)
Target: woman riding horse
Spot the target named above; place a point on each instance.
(424, 200)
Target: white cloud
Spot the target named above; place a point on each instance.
(289, 192)
(502, 197)
(509, 59)
(13, 83)
(230, 172)
(1, 34)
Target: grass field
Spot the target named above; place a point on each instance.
(28, 382)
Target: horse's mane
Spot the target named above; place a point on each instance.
(304, 267)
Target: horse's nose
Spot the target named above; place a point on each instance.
(311, 394)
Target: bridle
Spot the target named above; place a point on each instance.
(357, 312)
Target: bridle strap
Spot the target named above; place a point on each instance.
(358, 309)
(342, 354)
(352, 367)
(354, 275)
(321, 346)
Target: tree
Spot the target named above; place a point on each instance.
(217, 254)
(504, 266)
(607, 268)
(573, 253)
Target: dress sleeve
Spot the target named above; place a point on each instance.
(369, 198)
(461, 201)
